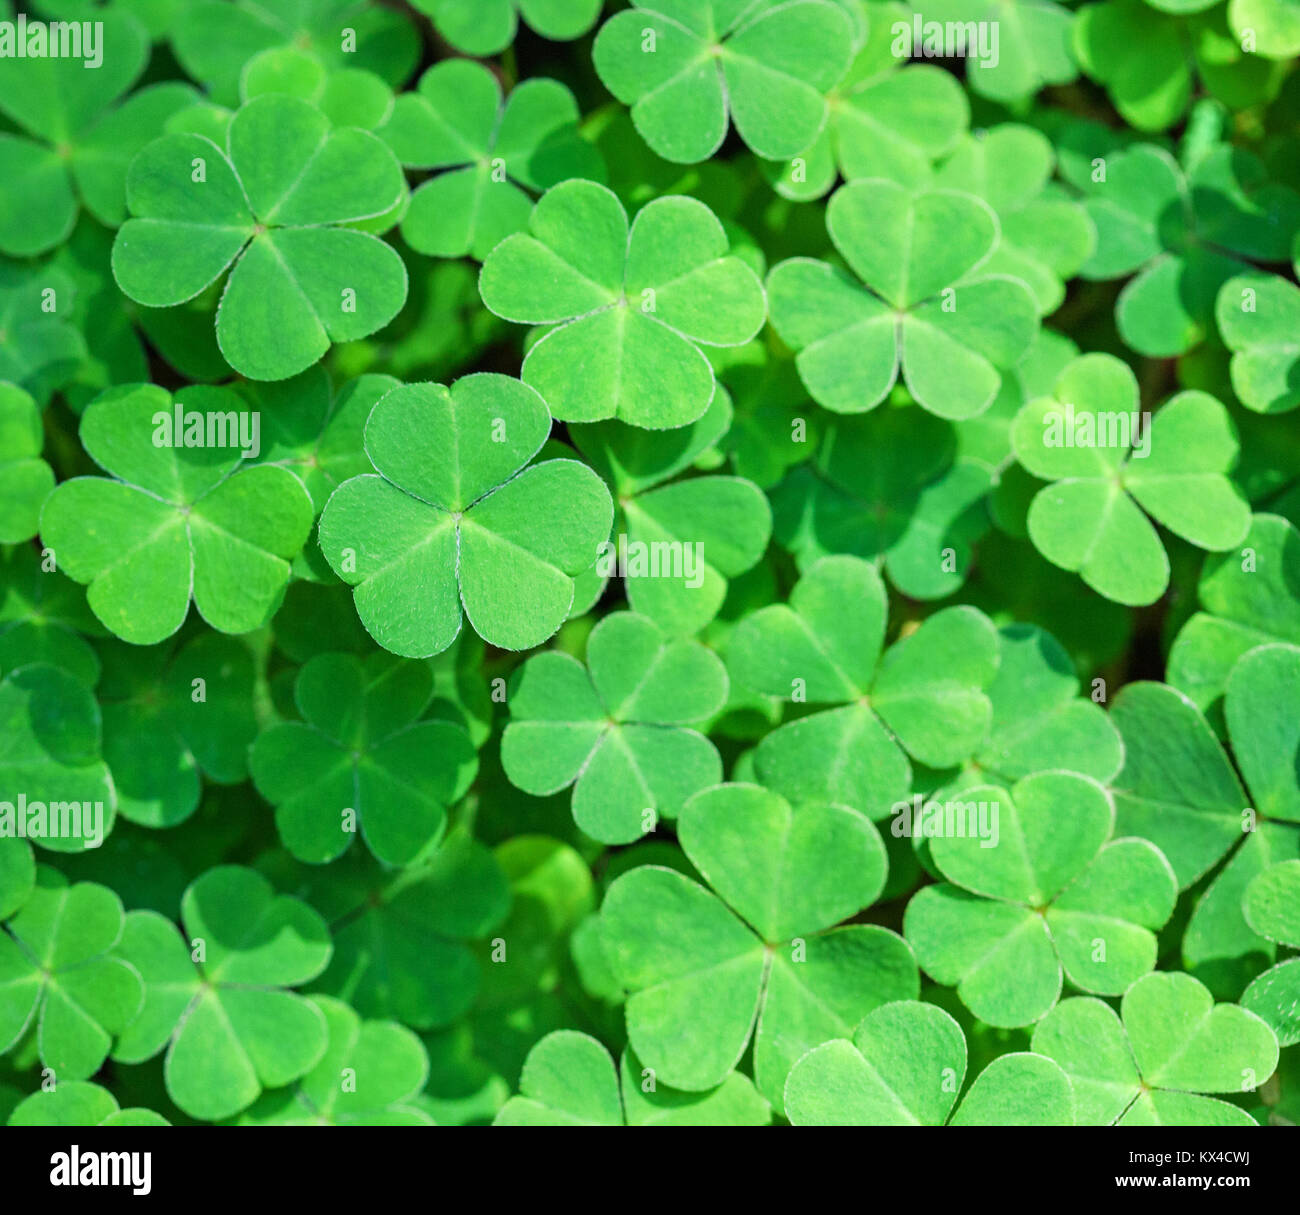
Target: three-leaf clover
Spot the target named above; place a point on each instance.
(79, 1103)
(762, 948)
(569, 1079)
(1151, 1064)
(617, 731)
(632, 304)
(687, 67)
(429, 534)
(905, 1066)
(174, 523)
(56, 973)
(218, 1003)
(44, 617)
(1108, 465)
(1272, 908)
(487, 27)
(925, 304)
(1047, 890)
(272, 207)
(1259, 320)
(362, 760)
(25, 479)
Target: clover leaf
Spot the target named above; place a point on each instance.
(219, 1005)
(1259, 316)
(487, 27)
(631, 304)
(924, 696)
(494, 153)
(170, 524)
(905, 1066)
(1085, 439)
(362, 760)
(17, 875)
(1050, 891)
(1272, 908)
(426, 536)
(41, 349)
(689, 70)
(56, 974)
(272, 207)
(44, 618)
(78, 1103)
(616, 731)
(1272, 23)
(25, 479)
(569, 1079)
(928, 307)
(762, 948)
(1151, 1064)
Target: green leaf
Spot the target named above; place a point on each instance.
(25, 479)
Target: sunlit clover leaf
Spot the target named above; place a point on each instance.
(492, 151)
(271, 208)
(708, 528)
(632, 304)
(569, 1079)
(924, 697)
(194, 704)
(1273, 24)
(214, 39)
(904, 1066)
(925, 304)
(50, 731)
(348, 97)
(75, 142)
(78, 1103)
(1248, 598)
(429, 535)
(25, 479)
(1272, 909)
(1259, 319)
(170, 524)
(369, 1075)
(1104, 475)
(761, 948)
(362, 760)
(56, 972)
(1052, 892)
(486, 27)
(41, 348)
(1046, 236)
(688, 67)
(1186, 234)
(216, 998)
(44, 617)
(1151, 1064)
(617, 731)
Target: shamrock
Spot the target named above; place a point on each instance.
(44, 617)
(707, 529)
(1047, 890)
(79, 1103)
(174, 523)
(1259, 317)
(1186, 233)
(214, 39)
(56, 974)
(368, 1076)
(428, 535)
(274, 204)
(569, 1079)
(688, 66)
(761, 948)
(493, 151)
(1272, 909)
(632, 305)
(25, 479)
(218, 1005)
(1150, 1065)
(76, 143)
(904, 1067)
(54, 787)
(617, 730)
(487, 27)
(927, 307)
(1247, 599)
(923, 697)
(1108, 465)
(195, 704)
(40, 348)
(362, 759)
(1179, 790)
